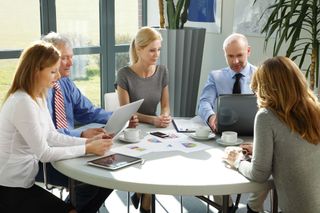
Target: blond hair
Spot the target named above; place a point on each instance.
(33, 59)
(144, 37)
(281, 87)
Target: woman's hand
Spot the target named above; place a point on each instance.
(231, 154)
(99, 146)
(162, 121)
(247, 147)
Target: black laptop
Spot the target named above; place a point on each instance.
(236, 112)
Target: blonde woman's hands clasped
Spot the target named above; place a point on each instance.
(99, 144)
(162, 121)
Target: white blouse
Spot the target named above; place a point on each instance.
(27, 136)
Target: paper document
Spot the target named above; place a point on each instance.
(187, 125)
(150, 143)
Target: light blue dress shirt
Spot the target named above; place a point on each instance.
(221, 82)
(78, 108)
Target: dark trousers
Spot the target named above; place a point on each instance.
(34, 199)
(89, 198)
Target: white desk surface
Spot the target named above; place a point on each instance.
(171, 173)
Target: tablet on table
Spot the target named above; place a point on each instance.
(115, 161)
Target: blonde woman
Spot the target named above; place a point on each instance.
(27, 135)
(286, 136)
(145, 79)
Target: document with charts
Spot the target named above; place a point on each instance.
(175, 142)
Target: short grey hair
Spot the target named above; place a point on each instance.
(57, 39)
(234, 37)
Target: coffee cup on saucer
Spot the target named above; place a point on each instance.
(203, 132)
(131, 134)
(229, 137)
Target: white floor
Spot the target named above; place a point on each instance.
(117, 203)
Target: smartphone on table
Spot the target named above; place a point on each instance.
(159, 134)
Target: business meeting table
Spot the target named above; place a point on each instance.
(171, 173)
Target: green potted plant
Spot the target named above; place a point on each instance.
(177, 14)
(296, 23)
(181, 52)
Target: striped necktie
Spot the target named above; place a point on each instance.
(237, 85)
(61, 119)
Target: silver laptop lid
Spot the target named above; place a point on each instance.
(121, 116)
(236, 112)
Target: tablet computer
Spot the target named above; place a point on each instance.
(115, 161)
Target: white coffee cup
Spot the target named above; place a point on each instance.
(203, 132)
(229, 137)
(131, 134)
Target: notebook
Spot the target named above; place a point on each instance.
(236, 112)
(118, 120)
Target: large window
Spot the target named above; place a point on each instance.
(7, 68)
(81, 25)
(16, 33)
(20, 25)
(81, 22)
(126, 19)
(100, 31)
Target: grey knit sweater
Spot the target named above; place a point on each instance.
(291, 161)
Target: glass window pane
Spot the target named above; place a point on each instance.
(86, 75)
(79, 19)
(7, 71)
(127, 20)
(20, 23)
(122, 59)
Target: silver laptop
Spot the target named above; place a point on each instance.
(121, 117)
(118, 120)
(236, 112)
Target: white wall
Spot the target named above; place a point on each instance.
(213, 56)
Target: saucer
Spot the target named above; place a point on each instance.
(122, 138)
(194, 136)
(221, 142)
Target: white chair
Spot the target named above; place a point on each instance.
(111, 101)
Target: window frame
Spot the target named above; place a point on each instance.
(107, 49)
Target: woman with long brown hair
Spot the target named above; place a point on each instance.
(27, 135)
(286, 136)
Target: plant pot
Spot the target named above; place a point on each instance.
(181, 52)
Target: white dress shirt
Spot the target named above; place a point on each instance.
(27, 136)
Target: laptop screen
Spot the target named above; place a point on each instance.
(236, 112)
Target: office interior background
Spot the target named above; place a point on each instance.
(101, 31)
